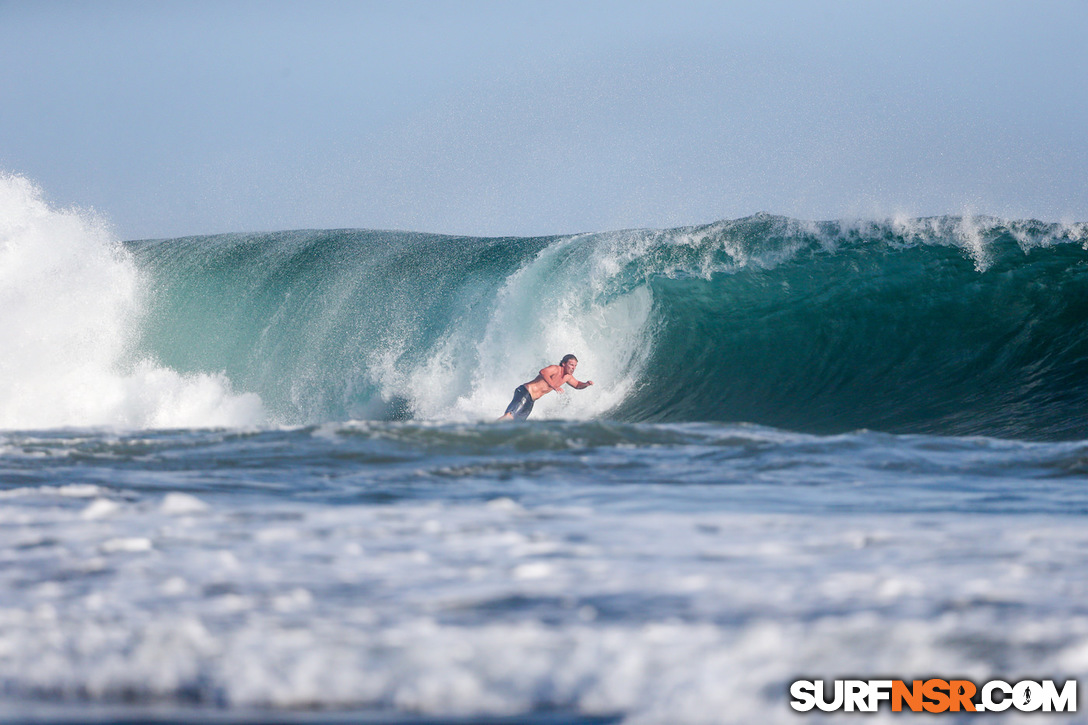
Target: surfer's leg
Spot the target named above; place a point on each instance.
(526, 408)
(513, 408)
(520, 406)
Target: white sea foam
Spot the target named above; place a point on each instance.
(72, 301)
(180, 504)
(665, 618)
(71, 490)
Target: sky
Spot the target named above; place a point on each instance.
(531, 118)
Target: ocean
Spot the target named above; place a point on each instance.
(257, 477)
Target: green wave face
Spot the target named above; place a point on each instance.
(943, 325)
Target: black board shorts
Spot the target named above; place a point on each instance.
(521, 405)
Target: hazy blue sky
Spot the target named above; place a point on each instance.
(526, 118)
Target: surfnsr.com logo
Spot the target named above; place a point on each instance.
(933, 695)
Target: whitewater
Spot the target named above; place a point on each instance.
(255, 477)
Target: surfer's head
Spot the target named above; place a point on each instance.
(568, 363)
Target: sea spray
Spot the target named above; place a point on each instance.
(71, 301)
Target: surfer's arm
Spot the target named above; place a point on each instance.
(578, 385)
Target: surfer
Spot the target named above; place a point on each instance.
(548, 379)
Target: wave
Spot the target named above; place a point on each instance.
(72, 300)
(945, 325)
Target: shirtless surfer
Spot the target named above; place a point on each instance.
(549, 379)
